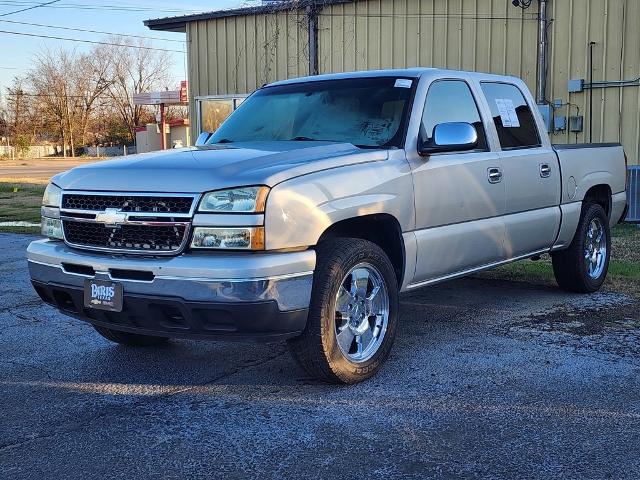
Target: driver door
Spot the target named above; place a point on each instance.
(459, 196)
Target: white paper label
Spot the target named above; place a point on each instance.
(507, 113)
(403, 83)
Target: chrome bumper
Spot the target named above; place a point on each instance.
(214, 277)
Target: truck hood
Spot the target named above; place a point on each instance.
(212, 167)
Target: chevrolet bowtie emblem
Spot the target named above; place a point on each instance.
(111, 216)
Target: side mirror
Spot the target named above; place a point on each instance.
(450, 137)
(202, 138)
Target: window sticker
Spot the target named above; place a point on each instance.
(507, 113)
(403, 83)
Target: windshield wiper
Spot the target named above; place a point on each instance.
(224, 140)
(305, 139)
(370, 147)
(309, 139)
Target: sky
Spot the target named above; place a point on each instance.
(114, 16)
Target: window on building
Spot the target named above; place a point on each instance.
(512, 116)
(451, 101)
(214, 111)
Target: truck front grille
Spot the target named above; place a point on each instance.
(131, 223)
(138, 238)
(128, 203)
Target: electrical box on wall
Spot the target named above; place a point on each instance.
(576, 123)
(576, 85)
(559, 123)
(547, 115)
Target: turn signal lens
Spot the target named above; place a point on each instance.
(236, 238)
(52, 228)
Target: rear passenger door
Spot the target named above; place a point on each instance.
(459, 196)
(531, 172)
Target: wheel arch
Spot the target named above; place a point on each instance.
(383, 229)
(601, 195)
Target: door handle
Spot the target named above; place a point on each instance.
(494, 175)
(545, 170)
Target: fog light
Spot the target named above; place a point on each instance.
(52, 228)
(243, 238)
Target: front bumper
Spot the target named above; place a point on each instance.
(196, 295)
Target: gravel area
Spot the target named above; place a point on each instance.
(488, 379)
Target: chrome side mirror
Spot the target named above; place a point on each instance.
(450, 137)
(202, 138)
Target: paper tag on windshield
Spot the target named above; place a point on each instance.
(507, 113)
(403, 83)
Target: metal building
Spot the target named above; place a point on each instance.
(581, 57)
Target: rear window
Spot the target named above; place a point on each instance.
(512, 116)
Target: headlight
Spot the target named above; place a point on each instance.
(232, 238)
(51, 201)
(235, 200)
(52, 196)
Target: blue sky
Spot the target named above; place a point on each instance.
(16, 51)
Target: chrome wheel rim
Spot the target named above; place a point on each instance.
(595, 249)
(361, 313)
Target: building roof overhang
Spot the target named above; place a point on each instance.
(179, 23)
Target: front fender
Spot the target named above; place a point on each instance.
(299, 210)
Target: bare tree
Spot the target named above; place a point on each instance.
(69, 85)
(135, 70)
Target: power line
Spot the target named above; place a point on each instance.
(90, 31)
(30, 8)
(77, 6)
(95, 42)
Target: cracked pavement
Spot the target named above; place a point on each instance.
(488, 379)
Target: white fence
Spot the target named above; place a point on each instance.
(42, 151)
(34, 151)
(108, 151)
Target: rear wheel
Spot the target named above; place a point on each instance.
(130, 339)
(353, 314)
(583, 266)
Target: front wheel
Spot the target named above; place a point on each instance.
(583, 266)
(353, 314)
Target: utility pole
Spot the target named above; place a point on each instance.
(541, 83)
(312, 25)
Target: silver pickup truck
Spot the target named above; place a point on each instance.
(319, 200)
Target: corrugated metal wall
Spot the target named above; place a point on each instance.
(482, 35)
(614, 26)
(238, 54)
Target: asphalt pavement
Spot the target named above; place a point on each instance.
(487, 379)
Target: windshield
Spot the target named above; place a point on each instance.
(367, 112)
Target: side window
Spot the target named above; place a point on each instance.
(451, 101)
(512, 116)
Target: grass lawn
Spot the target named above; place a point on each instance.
(20, 202)
(624, 267)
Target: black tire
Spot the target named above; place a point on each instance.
(317, 350)
(129, 339)
(569, 265)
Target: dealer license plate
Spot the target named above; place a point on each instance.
(103, 295)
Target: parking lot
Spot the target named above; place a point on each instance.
(488, 378)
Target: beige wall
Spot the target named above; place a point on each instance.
(179, 133)
(614, 25)
(238, 54)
